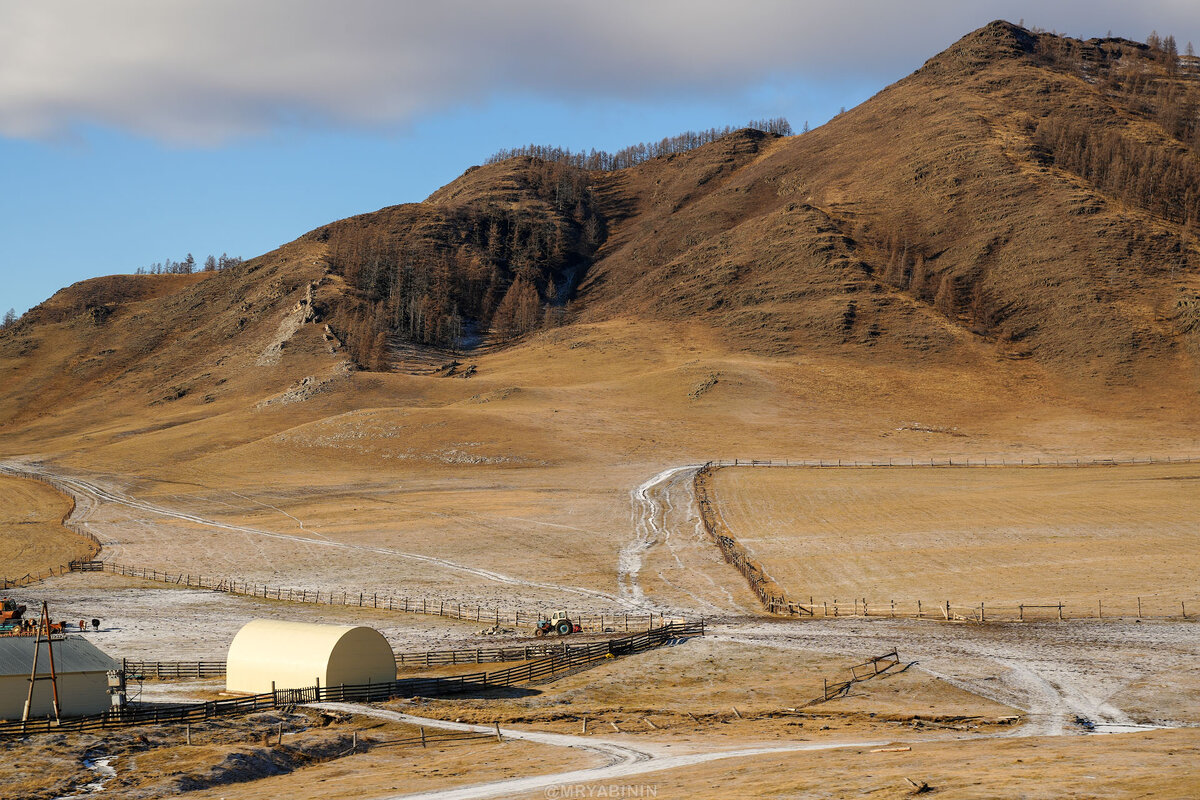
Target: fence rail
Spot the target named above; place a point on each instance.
(602, 622)
(775, 600)
(174, 670)
(952, 461)
(94, 545)
(536, 671)
(871, 668)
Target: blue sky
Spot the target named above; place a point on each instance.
(132, 132)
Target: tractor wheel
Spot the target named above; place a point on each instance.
(564, 628)
(539, 632)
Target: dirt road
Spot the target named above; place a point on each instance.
(671, 563)
(91, 495)
(622, 760)
(1068, 677)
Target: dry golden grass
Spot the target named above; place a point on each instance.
(32, 537)
(737, 309)
(1001, 535)
(387, 771)
(535, 483)
(241, 758)
(1159, 764)
(686, 695)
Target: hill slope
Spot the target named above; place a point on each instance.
(943, 215)
(1020, 197)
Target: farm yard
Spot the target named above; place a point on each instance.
(753, 683)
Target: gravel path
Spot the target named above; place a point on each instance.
(622, 761)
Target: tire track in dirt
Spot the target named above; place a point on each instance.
(623, 761)
(665, 513)
(92, 495)
(1057, 674)
(647, 516)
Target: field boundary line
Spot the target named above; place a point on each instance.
(94, 545)
(962, 461)
(774, 599)
(451, 609)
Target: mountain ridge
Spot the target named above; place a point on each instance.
(952, 220)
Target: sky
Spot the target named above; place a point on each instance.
(135, 132)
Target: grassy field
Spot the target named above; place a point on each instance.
(999, 535)
(32, 537)
(1154, 764)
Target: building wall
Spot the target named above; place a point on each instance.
(295, 655)
(79, 694)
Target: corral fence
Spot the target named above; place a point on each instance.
(179, 670)
(1144, 607)
(540, 670)
(173, 670)
(871, 668)
(956, 461)
(589, 622)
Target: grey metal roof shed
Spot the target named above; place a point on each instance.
(81, 668)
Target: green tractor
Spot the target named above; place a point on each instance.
(559, 622)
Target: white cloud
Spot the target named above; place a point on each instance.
(203, 71)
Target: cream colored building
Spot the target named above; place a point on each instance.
(81, 670)
(296, 655)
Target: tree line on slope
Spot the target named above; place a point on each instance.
(601, 160)
(452, 273)
(486, 267)
(188, 265)
(1153, 82)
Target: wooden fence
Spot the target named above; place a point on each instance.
(481, 655)
(94, 545)
(859, 672)
(537, 671)
(775, 601)
(427, 739)
(769, 593)
(181, 670)
(173, 670)
(602, 622)
(954, 461)
(28, 578)
(1145, 607)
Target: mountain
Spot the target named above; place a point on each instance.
(1022, 198)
